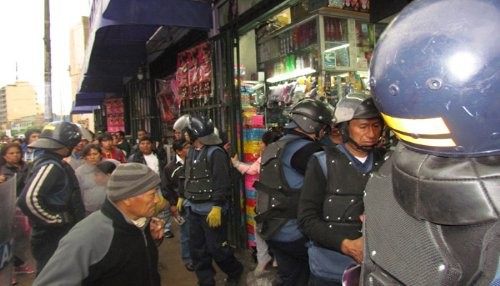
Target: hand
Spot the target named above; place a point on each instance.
(179, 204)
(214, 217)
(2, 178)
(156, 228)
(353, 248)
(234, 160)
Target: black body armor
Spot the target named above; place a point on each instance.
(432, 221)
(199, 184)
(343, 203)
(276, 201)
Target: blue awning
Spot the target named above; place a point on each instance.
(89, 98)
(119, 30)
(83, 109)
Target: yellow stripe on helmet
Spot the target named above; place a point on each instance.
(426, 141)
(422, 128)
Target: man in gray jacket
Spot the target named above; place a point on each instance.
(113, 246)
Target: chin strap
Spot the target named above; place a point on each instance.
(366, 149)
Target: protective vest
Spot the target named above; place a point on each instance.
(343, 202)
(199, 183)
(276, 200)
(432, 221)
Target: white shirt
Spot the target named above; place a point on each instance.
(152, 162)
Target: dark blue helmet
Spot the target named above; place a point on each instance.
(57, 135)
(435, 77)
(202, 128)
(311, 115)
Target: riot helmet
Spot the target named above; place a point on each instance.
(354, 106)
(436, 80)
(57, 135)
(181, 123)
(311, 116)
(202, 128)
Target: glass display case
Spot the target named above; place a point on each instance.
(325, 55)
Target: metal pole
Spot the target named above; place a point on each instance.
(48, 65)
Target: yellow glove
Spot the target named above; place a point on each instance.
(179, 204)
(214, 217)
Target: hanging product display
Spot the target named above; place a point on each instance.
(114, 114)
(194, 72)
(168, 99)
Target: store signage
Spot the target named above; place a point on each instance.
(329, 59)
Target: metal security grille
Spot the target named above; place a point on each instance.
(144, 112)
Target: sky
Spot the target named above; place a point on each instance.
(21, 34)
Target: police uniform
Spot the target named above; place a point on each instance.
(207, 185)
(432, 213)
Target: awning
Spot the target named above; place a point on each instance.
(119, 30)
(83, 109)
(89, 98)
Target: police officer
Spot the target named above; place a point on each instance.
(283, 165)
(331, 199)
(207, 187)
(51, 197)
(432, 213)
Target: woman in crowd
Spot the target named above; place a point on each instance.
(30, 154)
(93, 195)
(11, 165)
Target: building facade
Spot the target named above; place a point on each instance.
(17, 101)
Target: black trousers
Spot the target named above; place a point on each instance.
(207, 244)
(293, 261)
(44, 243)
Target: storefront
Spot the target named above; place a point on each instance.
(245, 70)
(282, 52)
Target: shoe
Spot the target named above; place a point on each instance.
(168, 234)
(189, 267)
(234, 279)
(24, 268)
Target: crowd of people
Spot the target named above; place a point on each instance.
(431, 202)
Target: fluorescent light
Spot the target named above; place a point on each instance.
(292, 74)
(337, 48)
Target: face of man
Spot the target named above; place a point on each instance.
(177, 135)
(365, 132)
(182, 153)
(107, 144)
(33, 137)
(141, 134)
(146, 147)
(79, 147)
(143, 205)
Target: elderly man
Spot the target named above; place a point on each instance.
(113, 246)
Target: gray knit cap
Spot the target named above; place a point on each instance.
(130, 180)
